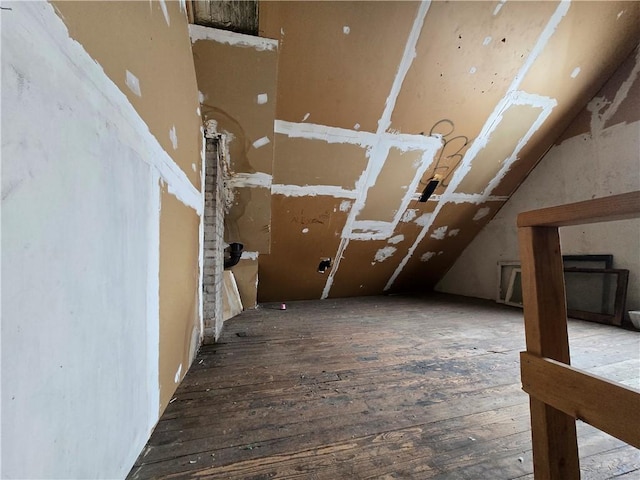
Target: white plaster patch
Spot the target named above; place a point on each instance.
(193, 167)
(602, 110)
(395, 240)
(499, 7)
(424, 219)
(229, 137)
(409, 215)
(312, 191)
(346, 30)
(345, 205)
(201, 97)
(258, 179)
(439, 233)
(356, 126)
(249, 255)
(282, 31)
(306, 116)
(305, 230)
(198, 112)
(198, 32)
(454, 232)
(173, 137)
(619, 14)
(384, 253)
(575, 72)
(262, 98)
(261, 142)
(487, 40)
(176, 379)
(481, 213)
(473, 70)
(425, 257)
(211, 128)
(165, 12)
(407, 59)
(133, 83)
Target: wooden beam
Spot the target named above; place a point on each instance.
(616, 207)
(609, 406)
(553, 432)
(543, 293)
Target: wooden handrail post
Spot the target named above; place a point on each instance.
(555, 446)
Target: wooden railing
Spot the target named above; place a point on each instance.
(560, 394)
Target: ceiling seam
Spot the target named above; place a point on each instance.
(488, 127)
(376, 160)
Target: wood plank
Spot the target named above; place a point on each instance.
(555, 446)
(616, 207)
(428, 372)
(606, 405)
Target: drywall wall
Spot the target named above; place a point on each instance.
(153, 67)
(596, 157)
(82, 248)
(180, 327)
(377, 98)
(148, 63)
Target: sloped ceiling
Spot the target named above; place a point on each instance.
(374, 99)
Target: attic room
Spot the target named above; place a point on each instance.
(320, 240)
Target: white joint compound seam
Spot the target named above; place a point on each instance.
(513, 96)
(198, 32)
(379, 150)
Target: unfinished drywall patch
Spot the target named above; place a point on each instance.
(179, 290)
(617, 101)
(355, 96)
(384, 198)
(290, 271)
(303, 161)
(515, 123)
(396, 239)
(433, 238)
(248, 222)
(133, 83)
(384, 253)
(357, 276)
(156, 51)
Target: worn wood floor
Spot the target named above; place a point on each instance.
(377, 387)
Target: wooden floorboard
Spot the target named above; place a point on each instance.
(375, 387)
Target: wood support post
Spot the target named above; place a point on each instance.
(555, 447)
(559, 393)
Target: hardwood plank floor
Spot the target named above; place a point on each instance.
(375, 387)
